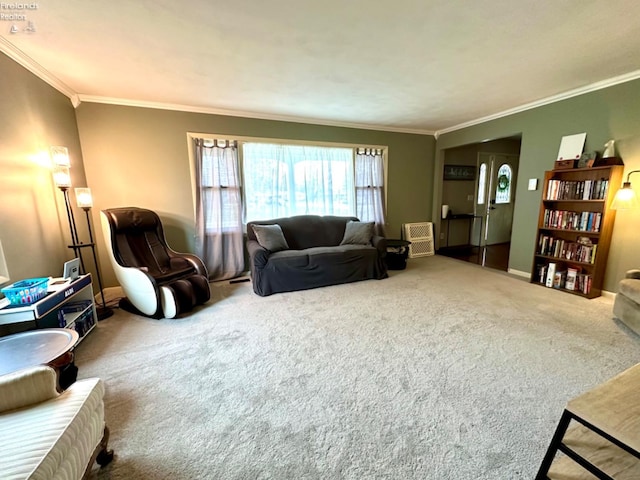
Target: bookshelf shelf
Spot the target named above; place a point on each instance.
(568, 261)
(581, 232)
(574, 229)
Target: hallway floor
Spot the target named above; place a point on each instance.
(491, 256)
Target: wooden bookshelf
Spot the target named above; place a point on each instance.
(574, 228)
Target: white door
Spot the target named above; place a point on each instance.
(495, 193)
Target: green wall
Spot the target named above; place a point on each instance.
(611, 113)
(33, 222)
(138, 157)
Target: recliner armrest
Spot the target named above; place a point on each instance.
(194, 260)
(635, 273)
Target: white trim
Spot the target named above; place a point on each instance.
(520, 273)
(245, 114)
(38, 70)
(608, 295)
(610, 82)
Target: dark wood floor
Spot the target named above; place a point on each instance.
(491, 256)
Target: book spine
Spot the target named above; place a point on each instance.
(551, 273)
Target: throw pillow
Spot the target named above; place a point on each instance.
(270, 237)
(357, 233)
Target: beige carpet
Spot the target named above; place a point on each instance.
(444, 370)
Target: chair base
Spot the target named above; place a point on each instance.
(127, 306)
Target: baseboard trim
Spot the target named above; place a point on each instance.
(608, 295)
(519, 273)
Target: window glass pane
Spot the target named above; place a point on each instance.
(286, 180)
(482, 183)
(225, 210)
(503, 185)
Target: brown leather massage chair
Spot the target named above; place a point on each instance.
(158, 282)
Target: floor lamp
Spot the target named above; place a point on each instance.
(62, 179)
(85, 201)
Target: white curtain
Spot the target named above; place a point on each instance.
(370, 188)
(219, 236)
(285, 180)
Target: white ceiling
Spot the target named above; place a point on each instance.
(406, 65)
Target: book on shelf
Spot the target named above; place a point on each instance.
(559, 279)
(570, 281)
(542, 273)
(551, 273)
(69, 311)
(583, 283)
(577, 190)
(568, 220)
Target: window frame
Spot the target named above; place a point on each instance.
(241, 139)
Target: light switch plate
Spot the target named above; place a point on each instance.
(533, 184)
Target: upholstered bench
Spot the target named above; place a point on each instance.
(48, 435)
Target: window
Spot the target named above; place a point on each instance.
(482, 183)
(219, 186)
(280, 179)
(503, 185)
(286, 180)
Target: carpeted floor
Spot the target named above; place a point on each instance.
(445, 370)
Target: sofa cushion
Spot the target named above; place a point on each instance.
(357, 233)
(270, 237)
(27, 387)
(306, 231)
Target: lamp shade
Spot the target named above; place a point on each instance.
(60, 156)
(62, 177)
(625, 198)
(84, 198)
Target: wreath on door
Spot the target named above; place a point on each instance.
(503, 182)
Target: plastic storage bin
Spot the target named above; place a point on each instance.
(26, 292)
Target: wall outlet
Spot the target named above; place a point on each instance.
(441, 235)
(469, 198)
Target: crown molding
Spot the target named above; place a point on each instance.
(38, 70)
(246, 114)
(34, 67)
(610, 82)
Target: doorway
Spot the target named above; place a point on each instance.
(491, 203)
(495, 195)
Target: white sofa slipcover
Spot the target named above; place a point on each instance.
(49, 435)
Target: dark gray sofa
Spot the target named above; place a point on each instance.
(315, 257)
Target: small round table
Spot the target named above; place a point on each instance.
(46, 346)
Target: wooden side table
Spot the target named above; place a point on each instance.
(47, 346)
(598, 433)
